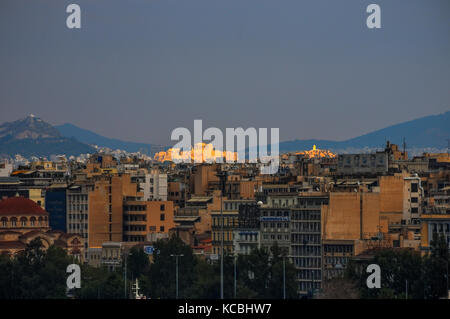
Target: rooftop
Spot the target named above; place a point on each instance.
(20, 206)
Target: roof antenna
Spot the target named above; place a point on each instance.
(448, 146)
(404, 146)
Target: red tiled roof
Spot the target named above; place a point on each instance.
(20, 206)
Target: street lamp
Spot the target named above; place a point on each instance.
(176, 272)
(284, 275)
(284, 278)
(446, 277)
(235, 280)
(126, 254)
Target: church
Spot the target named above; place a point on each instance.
(22, 220)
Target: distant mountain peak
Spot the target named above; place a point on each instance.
(31, 136)
(425, 132)
(30, 127)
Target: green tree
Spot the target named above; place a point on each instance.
(100, 283)
(398, 266)
(35, 273)
(7, 286)
(260, 274)
(435, 269)
(207, 281)
(138, 265)
(280, 264)
(161, 280)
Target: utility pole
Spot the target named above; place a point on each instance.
(448, 294)
(284, 274)
(125, 276)
(448, 146)
(176, 271)
(221, 245)
(235, 279)
(223, 177)
(284, 277)
(406, 288)
(404, 146)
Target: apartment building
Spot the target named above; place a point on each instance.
(306, 240)
(230, 218)
(247, 235)
(95, 207)
(77, 211)
(142, 218)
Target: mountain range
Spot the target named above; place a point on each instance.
(34, 137)
(89, 137)
(425, 132)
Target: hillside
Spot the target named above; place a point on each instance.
(89, 137)
(32, 136)
(430, 131)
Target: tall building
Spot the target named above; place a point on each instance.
(155, 186)
(247, 235)
(95, 208)
(230, 218)
(142, 218)
(306, 240)
(56, 206)
(77, 211)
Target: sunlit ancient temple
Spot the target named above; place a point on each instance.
(200, 153)
(315, 152)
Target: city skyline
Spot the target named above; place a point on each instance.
(138, 72)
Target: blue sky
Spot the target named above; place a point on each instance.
(139, 68)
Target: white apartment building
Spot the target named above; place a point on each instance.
(155, 186)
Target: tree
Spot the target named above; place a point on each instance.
(35, 273)
(161, 280)
(207, 281)
(398, 266)
(138, 264)
(435, 269)
(100, 283)
(261, 274)
(281, 264)
(7, 285)
(339, 288)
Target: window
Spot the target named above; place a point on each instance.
(162, 207)
(414, 199)
(161, 228)
(162, 217)
(414, 188)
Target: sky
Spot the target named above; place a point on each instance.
(137, 69)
